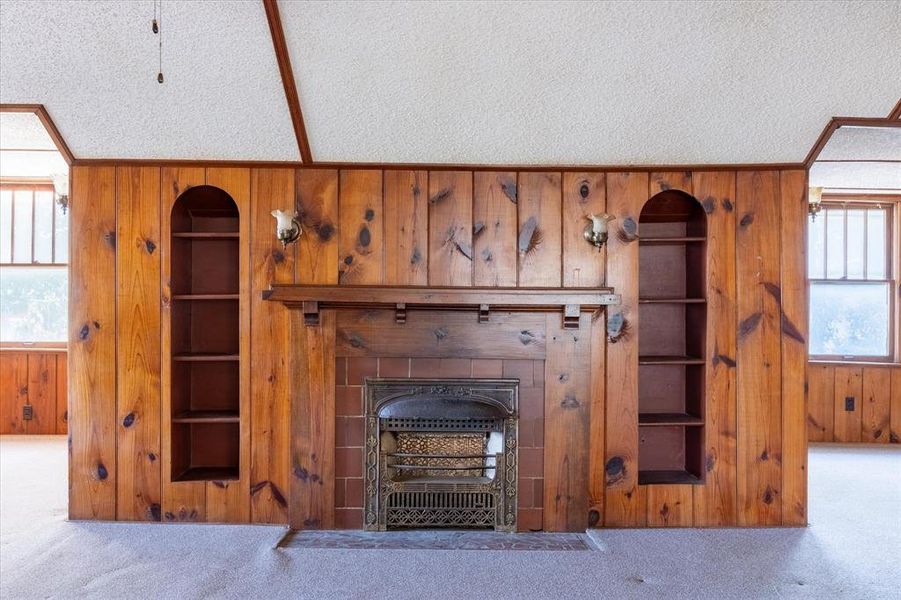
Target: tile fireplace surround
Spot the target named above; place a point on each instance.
(350, 374)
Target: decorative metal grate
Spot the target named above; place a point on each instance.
(441, 453)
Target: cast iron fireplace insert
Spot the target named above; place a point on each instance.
(441, 453)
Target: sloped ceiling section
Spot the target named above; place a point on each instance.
(23, 131)
(94, 65)
(587, 83)
(864, 154)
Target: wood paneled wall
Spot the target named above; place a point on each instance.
(448, 228)
(851, 403)
(35, 378)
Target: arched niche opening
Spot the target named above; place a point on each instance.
(672, 338)
(204, 335)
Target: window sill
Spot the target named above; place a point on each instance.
(858, 363)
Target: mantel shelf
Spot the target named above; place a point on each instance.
(313, 298)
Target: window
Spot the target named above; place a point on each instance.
(34, 241)
(852, 286)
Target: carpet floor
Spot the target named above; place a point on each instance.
(850, 550)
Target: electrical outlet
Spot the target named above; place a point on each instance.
(849, 403)
(27, 412)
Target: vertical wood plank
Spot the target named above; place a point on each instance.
(671, 180)
(567, 407)
(597, 415)
(669, 505)
(450, 228)
(715, 501)
(820, 394)
(313, 423)
(229, 501)
(494, 229)
(316, 203)
(759, 357)
(182, 500)
(875, 405)
(793, 243)
(406, 227)
(62, 395)
(626, 195)
(848, 388)
(13, 391)
(41, 393)
(360, 233)
(895, 409)
(583, 194)
(92, 343)
(270, 344)
(540, 230)
(138, 487)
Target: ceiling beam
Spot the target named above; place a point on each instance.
(47, 122)
(896, 112)
(284, 67)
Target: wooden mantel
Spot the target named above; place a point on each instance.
(571, 302)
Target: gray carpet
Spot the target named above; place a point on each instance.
(851, 550)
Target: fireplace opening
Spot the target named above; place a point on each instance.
(441, 453)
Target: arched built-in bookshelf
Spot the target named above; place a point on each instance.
(673, 324)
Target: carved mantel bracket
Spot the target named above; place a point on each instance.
(569, 302)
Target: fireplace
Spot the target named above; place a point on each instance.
(441, 453)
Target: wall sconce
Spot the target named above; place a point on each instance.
(814, 202)
(596, 231)
(287, 228)
(61, 190)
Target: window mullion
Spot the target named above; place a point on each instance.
(33, 210)
(845, 242)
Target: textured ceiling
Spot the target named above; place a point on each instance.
(599, 83)
(23, 131)
(858, 148)
(863, 143)
(469, 82)
(94, 65)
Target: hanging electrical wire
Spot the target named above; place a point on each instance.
(155, 27)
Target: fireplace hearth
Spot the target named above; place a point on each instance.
(441, 453)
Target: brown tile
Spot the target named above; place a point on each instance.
(349, 518)
(340, 371)
(348, 462)
(537, 494)
(529, 519)
(538, 372)
(487, 368)
(526, 496)
(527, 433)
(340, 498)
(349, 432)
(519, 369)
(394, 367)
(424, 367)
(354, 493)
(360, 368)
(456, 367)
(531, 403)
(349, 401)
(531, 462)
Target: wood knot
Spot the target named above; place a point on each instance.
(325, 231)
(129, 420)
(746, 220)
(154, 511)
(369, 215)
(615, 470)
(584, 190)
(569, 403)
(150, 246)
(365, 237)
(278, 257)
(301, 473)
(526, 337)
(441, 333)
(102, 473)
